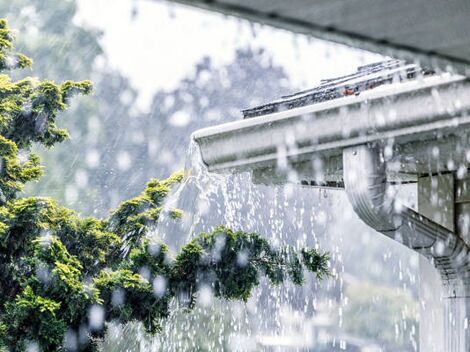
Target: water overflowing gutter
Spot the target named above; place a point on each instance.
(355, 131)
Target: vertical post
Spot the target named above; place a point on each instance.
(435, 201)
(462, 208)
(458, 306)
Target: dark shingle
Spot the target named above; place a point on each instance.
(366, 77)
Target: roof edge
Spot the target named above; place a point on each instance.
(421, 57)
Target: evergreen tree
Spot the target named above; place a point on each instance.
(62, 49)
(62, 277)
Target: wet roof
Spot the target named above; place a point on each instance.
(365, 78)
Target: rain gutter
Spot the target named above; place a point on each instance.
(356, 131)
(387, 112)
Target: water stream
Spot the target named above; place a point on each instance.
(273, 316)
(318, 316)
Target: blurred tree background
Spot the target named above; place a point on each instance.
(115, 148)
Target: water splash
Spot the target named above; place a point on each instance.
(192, 196)
(315, 316)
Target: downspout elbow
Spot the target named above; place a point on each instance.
(365, 182)
(366, 186)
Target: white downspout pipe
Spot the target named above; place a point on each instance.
(366, 186)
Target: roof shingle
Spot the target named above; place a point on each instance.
(366, 77)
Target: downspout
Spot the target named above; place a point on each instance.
(366, 185)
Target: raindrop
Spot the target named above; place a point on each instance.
(124, 160)
(96, 317)
(159, 286)
(70, 340)
(205, 296)
(179, 119)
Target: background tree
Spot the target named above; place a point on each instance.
(390, 316)
(125, 146)
(50, 35)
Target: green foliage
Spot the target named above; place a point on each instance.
(314, 261)
(36, 318)
(49, 273)
(55, 266)
(10, 60)
(28, 111)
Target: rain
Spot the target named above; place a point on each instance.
(305, 141)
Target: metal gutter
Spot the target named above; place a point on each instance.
(416, 110)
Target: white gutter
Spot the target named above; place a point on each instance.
(416, 109)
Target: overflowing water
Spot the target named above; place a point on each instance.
(318, 316)
(210, 199)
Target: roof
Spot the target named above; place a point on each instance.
(365, 78)
(435, 32)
